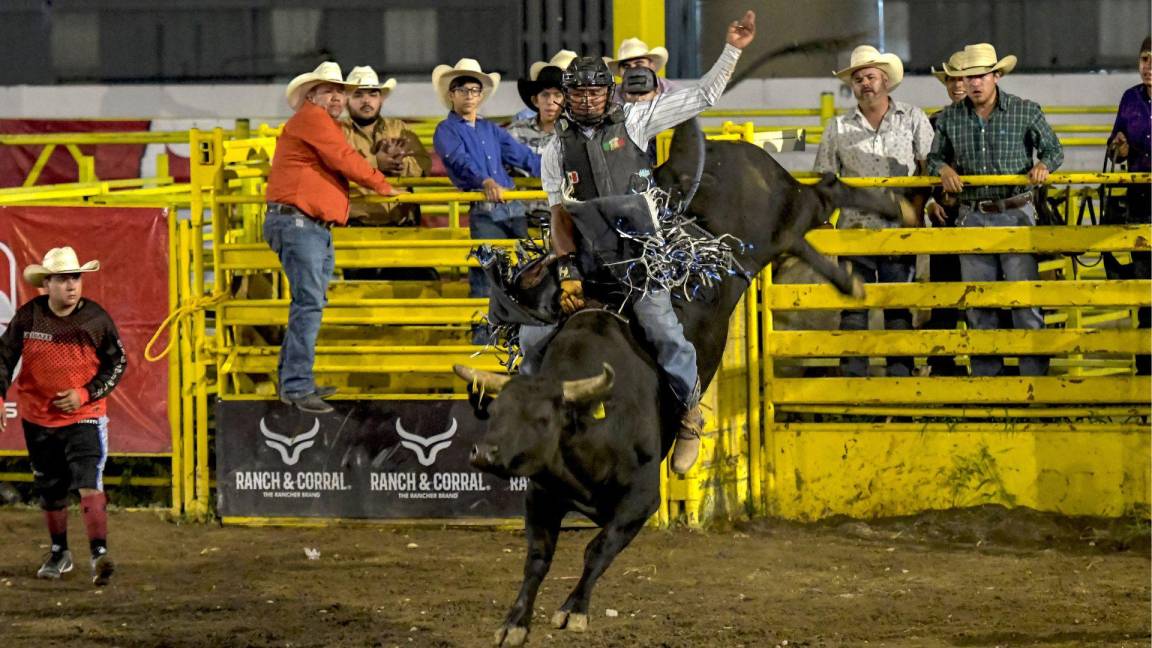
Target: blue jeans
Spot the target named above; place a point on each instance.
(879, 269)
(305, 250)
(1002, 267)
(654, 313)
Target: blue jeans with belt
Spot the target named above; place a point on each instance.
(1002, 267)
(304, 246)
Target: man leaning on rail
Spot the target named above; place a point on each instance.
(992, 132)
(307, 195)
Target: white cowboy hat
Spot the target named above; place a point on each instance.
(632, 48)
(326, 72)
(866, 56)
(953, 61)
(61, 260)
(560, 60)
(365, 77)
(979, 59)
(443, 75)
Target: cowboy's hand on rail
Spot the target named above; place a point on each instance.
(493, 190)
(950, 179)
(1118, 147)
(571, 295)
(741, 32)
(1039, 173)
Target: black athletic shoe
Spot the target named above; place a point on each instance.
(55, 565)
(102, 568)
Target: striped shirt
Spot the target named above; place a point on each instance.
(850, 147)
(1003, 145)
(647, 119)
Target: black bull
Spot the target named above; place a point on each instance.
(591, 427)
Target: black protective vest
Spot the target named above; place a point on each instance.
(602, 165)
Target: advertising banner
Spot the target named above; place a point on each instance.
(131, 245)
(113, 161)
(368, 459)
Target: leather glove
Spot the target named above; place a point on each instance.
(571, 295)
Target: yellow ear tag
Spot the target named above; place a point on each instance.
(598, 413)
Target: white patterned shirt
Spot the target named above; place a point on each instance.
(850, 147)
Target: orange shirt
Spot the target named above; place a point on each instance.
(313, 164)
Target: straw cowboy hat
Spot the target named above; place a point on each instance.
(560, 60)
(953, 61)
(979, 59)
(326, 72)
(365, 77)
(866, 56)
(61, 260)
(443, 75)
(543, 75)
(635, 48)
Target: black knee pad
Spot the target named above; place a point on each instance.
(53, 503)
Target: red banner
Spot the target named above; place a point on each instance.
(132, 285)
(113, 161)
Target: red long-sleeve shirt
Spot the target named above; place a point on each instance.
(80, 351)
(313, 164)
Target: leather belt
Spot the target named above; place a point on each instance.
(997, 206)
(291, 210)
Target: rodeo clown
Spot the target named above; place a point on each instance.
(600, 147)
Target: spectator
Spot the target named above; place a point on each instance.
(386, 143)
(72, 360)
(882, 137)
(561, 60)
(474, 151)
(941, 210)
(635, 53)
(307, 195)
(543, 92)
(992, 132)
(1131, 142)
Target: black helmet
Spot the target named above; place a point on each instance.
(585, 72)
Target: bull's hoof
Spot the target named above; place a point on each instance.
(511, 636)
(857, 287)
(560, 619)
(578, 622)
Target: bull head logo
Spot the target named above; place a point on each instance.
(426, 449)
(290, 449)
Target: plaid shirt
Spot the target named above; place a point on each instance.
(528, 133)
(1001, 146)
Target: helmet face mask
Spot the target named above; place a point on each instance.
(588, 86)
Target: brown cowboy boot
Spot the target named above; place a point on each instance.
(687, 440)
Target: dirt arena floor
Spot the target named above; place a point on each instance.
(964, 579)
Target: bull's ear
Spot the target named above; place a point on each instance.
(589, 390)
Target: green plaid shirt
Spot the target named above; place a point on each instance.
(1001, 146)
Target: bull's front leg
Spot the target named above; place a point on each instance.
(542, 517)
(598, 555)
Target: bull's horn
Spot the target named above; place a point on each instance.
(587, 390)
(485, 381)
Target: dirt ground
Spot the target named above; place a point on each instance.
(952, 580)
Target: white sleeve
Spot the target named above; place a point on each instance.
(552, 171)
(826, 161)
(648, 119)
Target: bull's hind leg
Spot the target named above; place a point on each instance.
(542, 519)
(598, 555)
